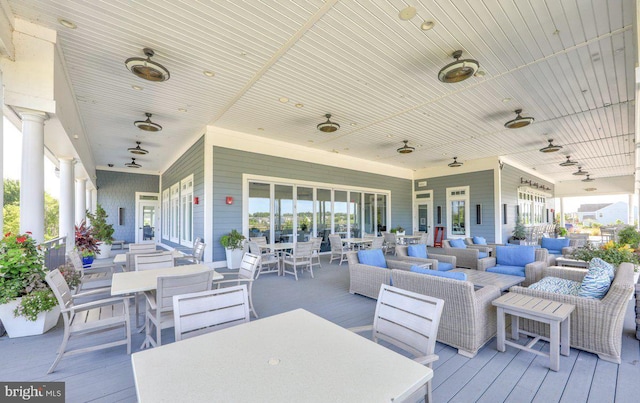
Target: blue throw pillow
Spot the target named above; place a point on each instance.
(372, 257)
(478, 240)
(554, 243)
(437, 273)
(457, 243)
(595, 284)
(516, 255)
(417, 250)
(599, 264)
(482, 255)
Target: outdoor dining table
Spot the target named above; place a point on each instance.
(358, 242)
(277, 248)
(293, 356)
(121, 258)
(408, 238)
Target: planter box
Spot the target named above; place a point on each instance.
(20, 326)
(234, 258)
(104, 252)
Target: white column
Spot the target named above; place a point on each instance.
(32, 175)
(67, 201)
(81, 194)
(1, 154)
(94, 200)
(561, 212)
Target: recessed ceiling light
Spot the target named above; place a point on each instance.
(427, 25)
(261, 129)
(67, 24)
(299, 105)
(146, 68)
(389, 136)
(208, 73)
(354, 124)
(407, 13)
(181, 110)
(505, 100)
(137, 87)
(75, 136)
(284, 100)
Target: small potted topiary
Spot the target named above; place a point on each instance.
(102, 231)
(233, 243)
(519, 233)
(85, 243)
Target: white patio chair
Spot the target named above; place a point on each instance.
(195, 256)
(91, 277)
(376, 242)
(315, 251)
(159, 311)
(407, 320)
(246, 274)
(300, 257)
(154, 261)
(207, 311)
(88, 318)
(260, 240)
(137, 249)
(267, 259)
(338, 250)
(390, 242)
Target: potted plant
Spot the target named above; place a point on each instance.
(102, 231)
(86, 244)
(233, 243)
(27, 305)
(519, 234)
(611, 252)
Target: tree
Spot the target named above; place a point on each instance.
(11, 192)
(11, 210)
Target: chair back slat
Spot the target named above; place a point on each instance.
(303, 249)
(60, 289)
(154, 261)
(407, 320)
(204, 312)
(336, 242)
(260, 240)
(169, 286)
(376, 242)
(248, 266)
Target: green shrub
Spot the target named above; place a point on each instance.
(628, 235)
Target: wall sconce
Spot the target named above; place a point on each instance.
(229, 200)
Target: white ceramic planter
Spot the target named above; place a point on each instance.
(234, 258)
(20, 326)
(104, 251)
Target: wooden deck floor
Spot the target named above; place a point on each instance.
(513, 376)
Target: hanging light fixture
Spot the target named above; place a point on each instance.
(459, 70)
(568, 162)
(455, 163)
(580, 172)
(551, 148)
(519, 121)
(147, 125)
(328, 126)
(133, 164)
(137, 150)
(146, 68)
(405, 149)
(588, 179)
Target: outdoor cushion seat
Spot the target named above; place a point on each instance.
(482, 255)
(466, 256)
(557, 286)
(510, 270)
(438, 262)
(554, 245)
(445, 266)
(439, 273)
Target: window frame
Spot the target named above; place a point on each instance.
(456, 194)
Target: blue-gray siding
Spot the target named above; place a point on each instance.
(191, 162)
(118, 189)
(481, 191)
(229, 165)
(510, 183)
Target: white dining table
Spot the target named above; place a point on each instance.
(359, 242)
(278, 248)
(121, 258)
(294, 356)
(130, 282)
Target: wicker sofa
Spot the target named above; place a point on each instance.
(465, 257)
(596, 325)
(366, 280)
(434, 259)
(468, 320)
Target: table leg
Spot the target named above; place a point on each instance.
(554, 345)
(501, 330)
(515, 327)
(565, 334)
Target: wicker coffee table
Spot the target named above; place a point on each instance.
(555, 314)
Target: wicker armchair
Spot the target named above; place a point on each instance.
(532, 271)
(401, 253)
(366, 280)
(467, 257)
(468, 320)
(596, 324)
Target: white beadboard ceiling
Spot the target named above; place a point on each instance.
(567, 63)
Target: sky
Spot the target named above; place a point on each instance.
(11, 160)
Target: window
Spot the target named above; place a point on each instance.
(186, 211)
(532, 206)
(175, 213)
(458, 212)
(166, 213)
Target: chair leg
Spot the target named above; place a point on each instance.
(251, 300)
(311, 268)
(62, 349)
